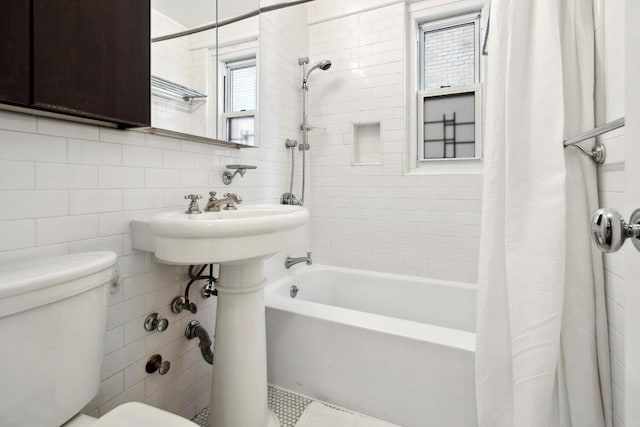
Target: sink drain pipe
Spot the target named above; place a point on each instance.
(196, 330)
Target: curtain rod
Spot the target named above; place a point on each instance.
(229, 20)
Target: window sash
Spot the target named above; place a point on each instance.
(234, 115)
(424, 94)
(429, 26)
(227, 85)
(230, 67)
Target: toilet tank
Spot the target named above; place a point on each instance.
(53, 314)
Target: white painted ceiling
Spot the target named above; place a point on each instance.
(192, 13)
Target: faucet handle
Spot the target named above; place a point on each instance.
(212, 195)
(193, 205)
(235, 196)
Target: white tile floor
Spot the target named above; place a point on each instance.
(288, 406)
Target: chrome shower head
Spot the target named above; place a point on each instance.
(323, 65)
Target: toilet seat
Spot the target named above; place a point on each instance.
(136, 414)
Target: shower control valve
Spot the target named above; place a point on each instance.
(609, 231)
(181, 303)
(154, 321)
(209, 290)
(155, 363)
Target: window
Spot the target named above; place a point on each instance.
(445, 74)
(240, 89)
(449, 92)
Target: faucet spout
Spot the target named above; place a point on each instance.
(290, 262)
(230, 199)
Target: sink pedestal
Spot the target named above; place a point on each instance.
(238, 240)
(239, 394)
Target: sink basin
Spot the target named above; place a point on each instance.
(251, 231)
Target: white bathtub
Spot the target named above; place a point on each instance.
(393, 347)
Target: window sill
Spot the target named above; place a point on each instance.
(448, 167)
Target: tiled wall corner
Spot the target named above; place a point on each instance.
(611, 176)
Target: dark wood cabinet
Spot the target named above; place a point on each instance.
(89, 58)
(15, 63)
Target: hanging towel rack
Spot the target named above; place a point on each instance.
(599, 153)
(171, 91)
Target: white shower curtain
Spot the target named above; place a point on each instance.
(542, 355)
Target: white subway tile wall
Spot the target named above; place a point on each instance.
(611, 176)
(374, 216)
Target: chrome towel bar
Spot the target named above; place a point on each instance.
(599, 153)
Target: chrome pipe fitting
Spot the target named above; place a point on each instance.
(227, 177)
(155, 322)
(290, 262)
(180, 303)
(155, 363)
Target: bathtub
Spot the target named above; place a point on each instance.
(394, 347)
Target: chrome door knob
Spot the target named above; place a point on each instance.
(609, 231)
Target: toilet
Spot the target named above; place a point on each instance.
(53, 314)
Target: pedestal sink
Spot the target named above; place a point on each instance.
(239, 240)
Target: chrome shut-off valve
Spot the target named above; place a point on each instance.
(609, 231)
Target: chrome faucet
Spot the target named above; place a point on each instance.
(290, 262)
(230, 200)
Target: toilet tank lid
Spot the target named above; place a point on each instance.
(27, 276)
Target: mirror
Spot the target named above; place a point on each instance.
(237, 71)
(204, 70)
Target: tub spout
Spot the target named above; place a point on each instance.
(290, 262)
(195, 330)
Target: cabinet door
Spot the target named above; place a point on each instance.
(14, 52)
(91, 59)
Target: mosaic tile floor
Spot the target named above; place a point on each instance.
(288, 406)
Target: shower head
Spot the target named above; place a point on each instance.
(323, 65)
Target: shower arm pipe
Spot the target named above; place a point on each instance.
(230, 20)
(598, 154)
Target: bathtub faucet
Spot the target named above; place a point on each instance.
(290, 262)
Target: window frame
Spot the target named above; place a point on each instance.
(424, 17)
(227, 114)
